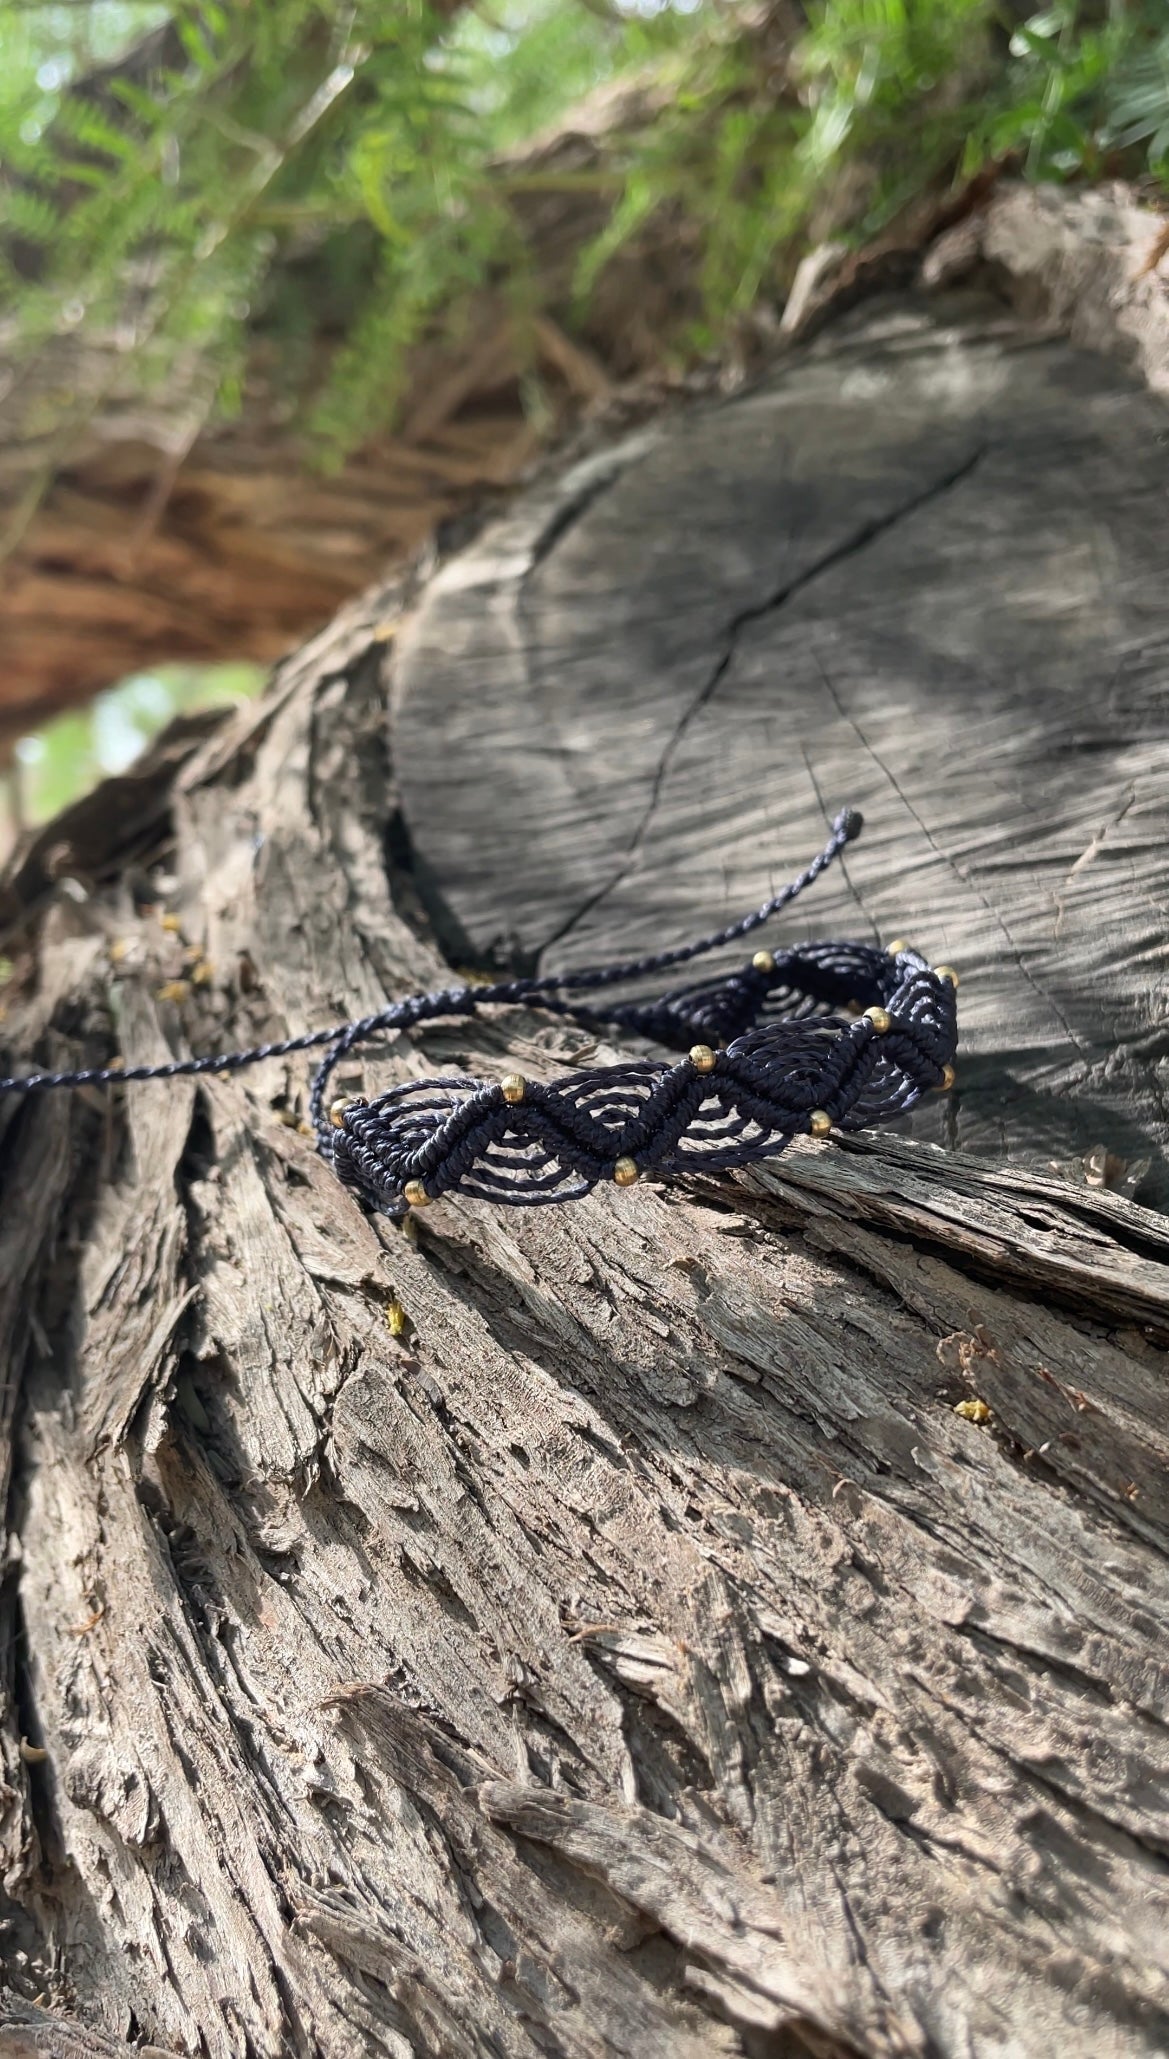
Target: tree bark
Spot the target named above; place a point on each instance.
(716, 1619)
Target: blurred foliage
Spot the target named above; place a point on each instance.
(1089, 93)
(181, 179)
(77, 749)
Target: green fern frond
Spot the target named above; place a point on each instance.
(171, 174)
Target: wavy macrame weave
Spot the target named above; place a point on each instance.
(806, 1040)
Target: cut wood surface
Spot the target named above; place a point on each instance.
(710, 1620)
(924, 571)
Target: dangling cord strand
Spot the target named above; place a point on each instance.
(342, 1038)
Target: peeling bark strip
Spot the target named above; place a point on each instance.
(600, 1631)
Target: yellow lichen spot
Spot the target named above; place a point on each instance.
(396, 1319)
(171, 924)
(202, 972)
(973, 1411)
(173, 990)
(120, 949)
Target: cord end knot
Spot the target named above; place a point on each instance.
(848, 825)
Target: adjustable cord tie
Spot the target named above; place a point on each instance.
(798, 1042)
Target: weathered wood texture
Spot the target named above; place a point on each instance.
(595, 1632)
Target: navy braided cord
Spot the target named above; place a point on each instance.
(786, 1065)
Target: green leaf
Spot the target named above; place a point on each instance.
(30, 214)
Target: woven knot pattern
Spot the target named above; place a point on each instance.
(786, 1063)
(463, 1135)
(714, 1011)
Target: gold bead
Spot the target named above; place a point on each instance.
(626, 1172)
(947, 1080)
(819, 1122)
(702, 1058)
(763, 961)
(880, 1019)
(512, 1088)
(415, 1193)
(896, 947)
(946, 972)
(337, 1108)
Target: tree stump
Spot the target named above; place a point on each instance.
(712, 1619)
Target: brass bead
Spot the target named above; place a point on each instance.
(896, 947)
(947, 1080)
(415, 1193)
(763, 961)
(880, 1019)
(626, 1172)
(337, 1108)
(702, 1058)
(513, 1086)
(819, 1122)
(946, 972)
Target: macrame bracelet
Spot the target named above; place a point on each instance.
(768, 1057)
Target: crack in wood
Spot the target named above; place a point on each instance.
(866, 534)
